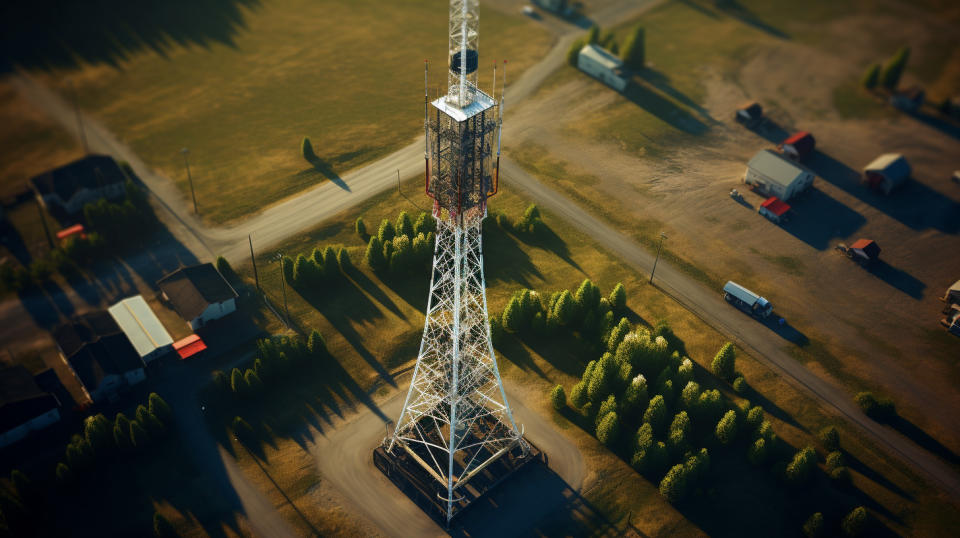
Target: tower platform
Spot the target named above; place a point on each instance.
(429, 494)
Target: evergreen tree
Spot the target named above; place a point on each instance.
(425, 224)
(634, 49)
(159, 408)
(374, 254)
(578, 395)
(757, 453)
(855, 522)
(360, 227)
(97, 430)
(121, 434)
(656, 413)
(608, 430)
(829, 438)
(727, 428)
(330, 267)
(237, 384)
(563, 310)
(602, 380)
(690, 395)
(609, 405)
(242, 430)
(754, 417)
(894, 68)
(573, 54)
(316, 345)
(723, 364)
(587, 296)
(802, 465)
(679, 432)
(558, 398)
(64, 475)
(224, 268)
(386, 232)
(253, 381)
(673, 487)
(593, 36)
(404, 225)
(813, 527)
(635, 398)
(343, 260)
(287, 269)
(512, 317)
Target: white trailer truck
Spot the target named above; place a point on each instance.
(746, 300)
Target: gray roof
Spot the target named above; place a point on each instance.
(21, 399)
(776, 168)
(892, 166)
(140, 324)
(601, 56)
(192, 289)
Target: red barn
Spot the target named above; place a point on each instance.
(798, 146)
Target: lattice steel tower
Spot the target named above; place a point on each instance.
(456, 420)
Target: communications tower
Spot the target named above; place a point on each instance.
(456, 435)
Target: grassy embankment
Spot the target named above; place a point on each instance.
(614, 495)
(346, 74)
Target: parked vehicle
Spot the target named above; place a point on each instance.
(746, 300)
(863, 251)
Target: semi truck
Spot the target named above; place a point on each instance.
(746, 300)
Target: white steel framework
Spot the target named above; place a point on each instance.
(456, 420)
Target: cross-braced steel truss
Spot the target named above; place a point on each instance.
(456, 419)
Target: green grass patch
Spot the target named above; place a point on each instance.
(346, 74)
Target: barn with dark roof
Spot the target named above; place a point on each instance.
(199, 293)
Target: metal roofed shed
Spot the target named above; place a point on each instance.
(866, 249)
(798, 146)
(887, 172)
(601, 64)
(773, 175)
(749, 113)
(199, 294)
(774, 209)
(953, 293)
(137, 320)
(189, 346)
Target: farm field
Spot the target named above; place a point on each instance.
(243, 87)
(388, 322)
(664, 156)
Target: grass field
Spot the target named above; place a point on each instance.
(346, 74)
(616, 496)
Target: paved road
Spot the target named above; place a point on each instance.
(345, 457)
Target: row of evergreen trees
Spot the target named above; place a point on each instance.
(586, 311)
(401, 247)
(277, 357)
(320, 267)
(888, 75)
(101, 442)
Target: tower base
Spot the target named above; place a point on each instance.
(427, 493)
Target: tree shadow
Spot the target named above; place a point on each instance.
(770, 130)
(510, 347)
(786, 331)
(84, 287)
(512, 264)
(898, 278)
(361, 281)
(937, 122)
(817, 218)
(50, 35)
(914, 433)
(862, 468)
(664, 109)
(914, 204)
(545, 238)
(736, 10)
(661, 81)
(324, 168)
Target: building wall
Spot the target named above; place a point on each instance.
(765, 185)
(599, 71)
(214, 311)
(157, 353)
(37, 423)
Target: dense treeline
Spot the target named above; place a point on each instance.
(277, 358)
(400, 247)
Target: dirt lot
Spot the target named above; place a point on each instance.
(865, 328)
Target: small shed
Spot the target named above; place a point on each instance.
(749, 113)
(189, 346)
(798, 146)
(953, 293)
(909, 100)
(601, 64)
(866, 249)
(70, 231)
(142, 327)
(887, 172)
(774, 209)
(774, 175)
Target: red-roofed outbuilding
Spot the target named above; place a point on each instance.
(189, 346)
(773, 208)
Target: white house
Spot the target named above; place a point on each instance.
(24, 406)
(887, 172)
(74, 185)
(100, 355)
(601, 64)
(199, 293)
(774, 175)
(142, 327)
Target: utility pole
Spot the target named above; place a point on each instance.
(186, 162)
(662, 237)
(76, 108)
(283, 287)
(256, 278)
